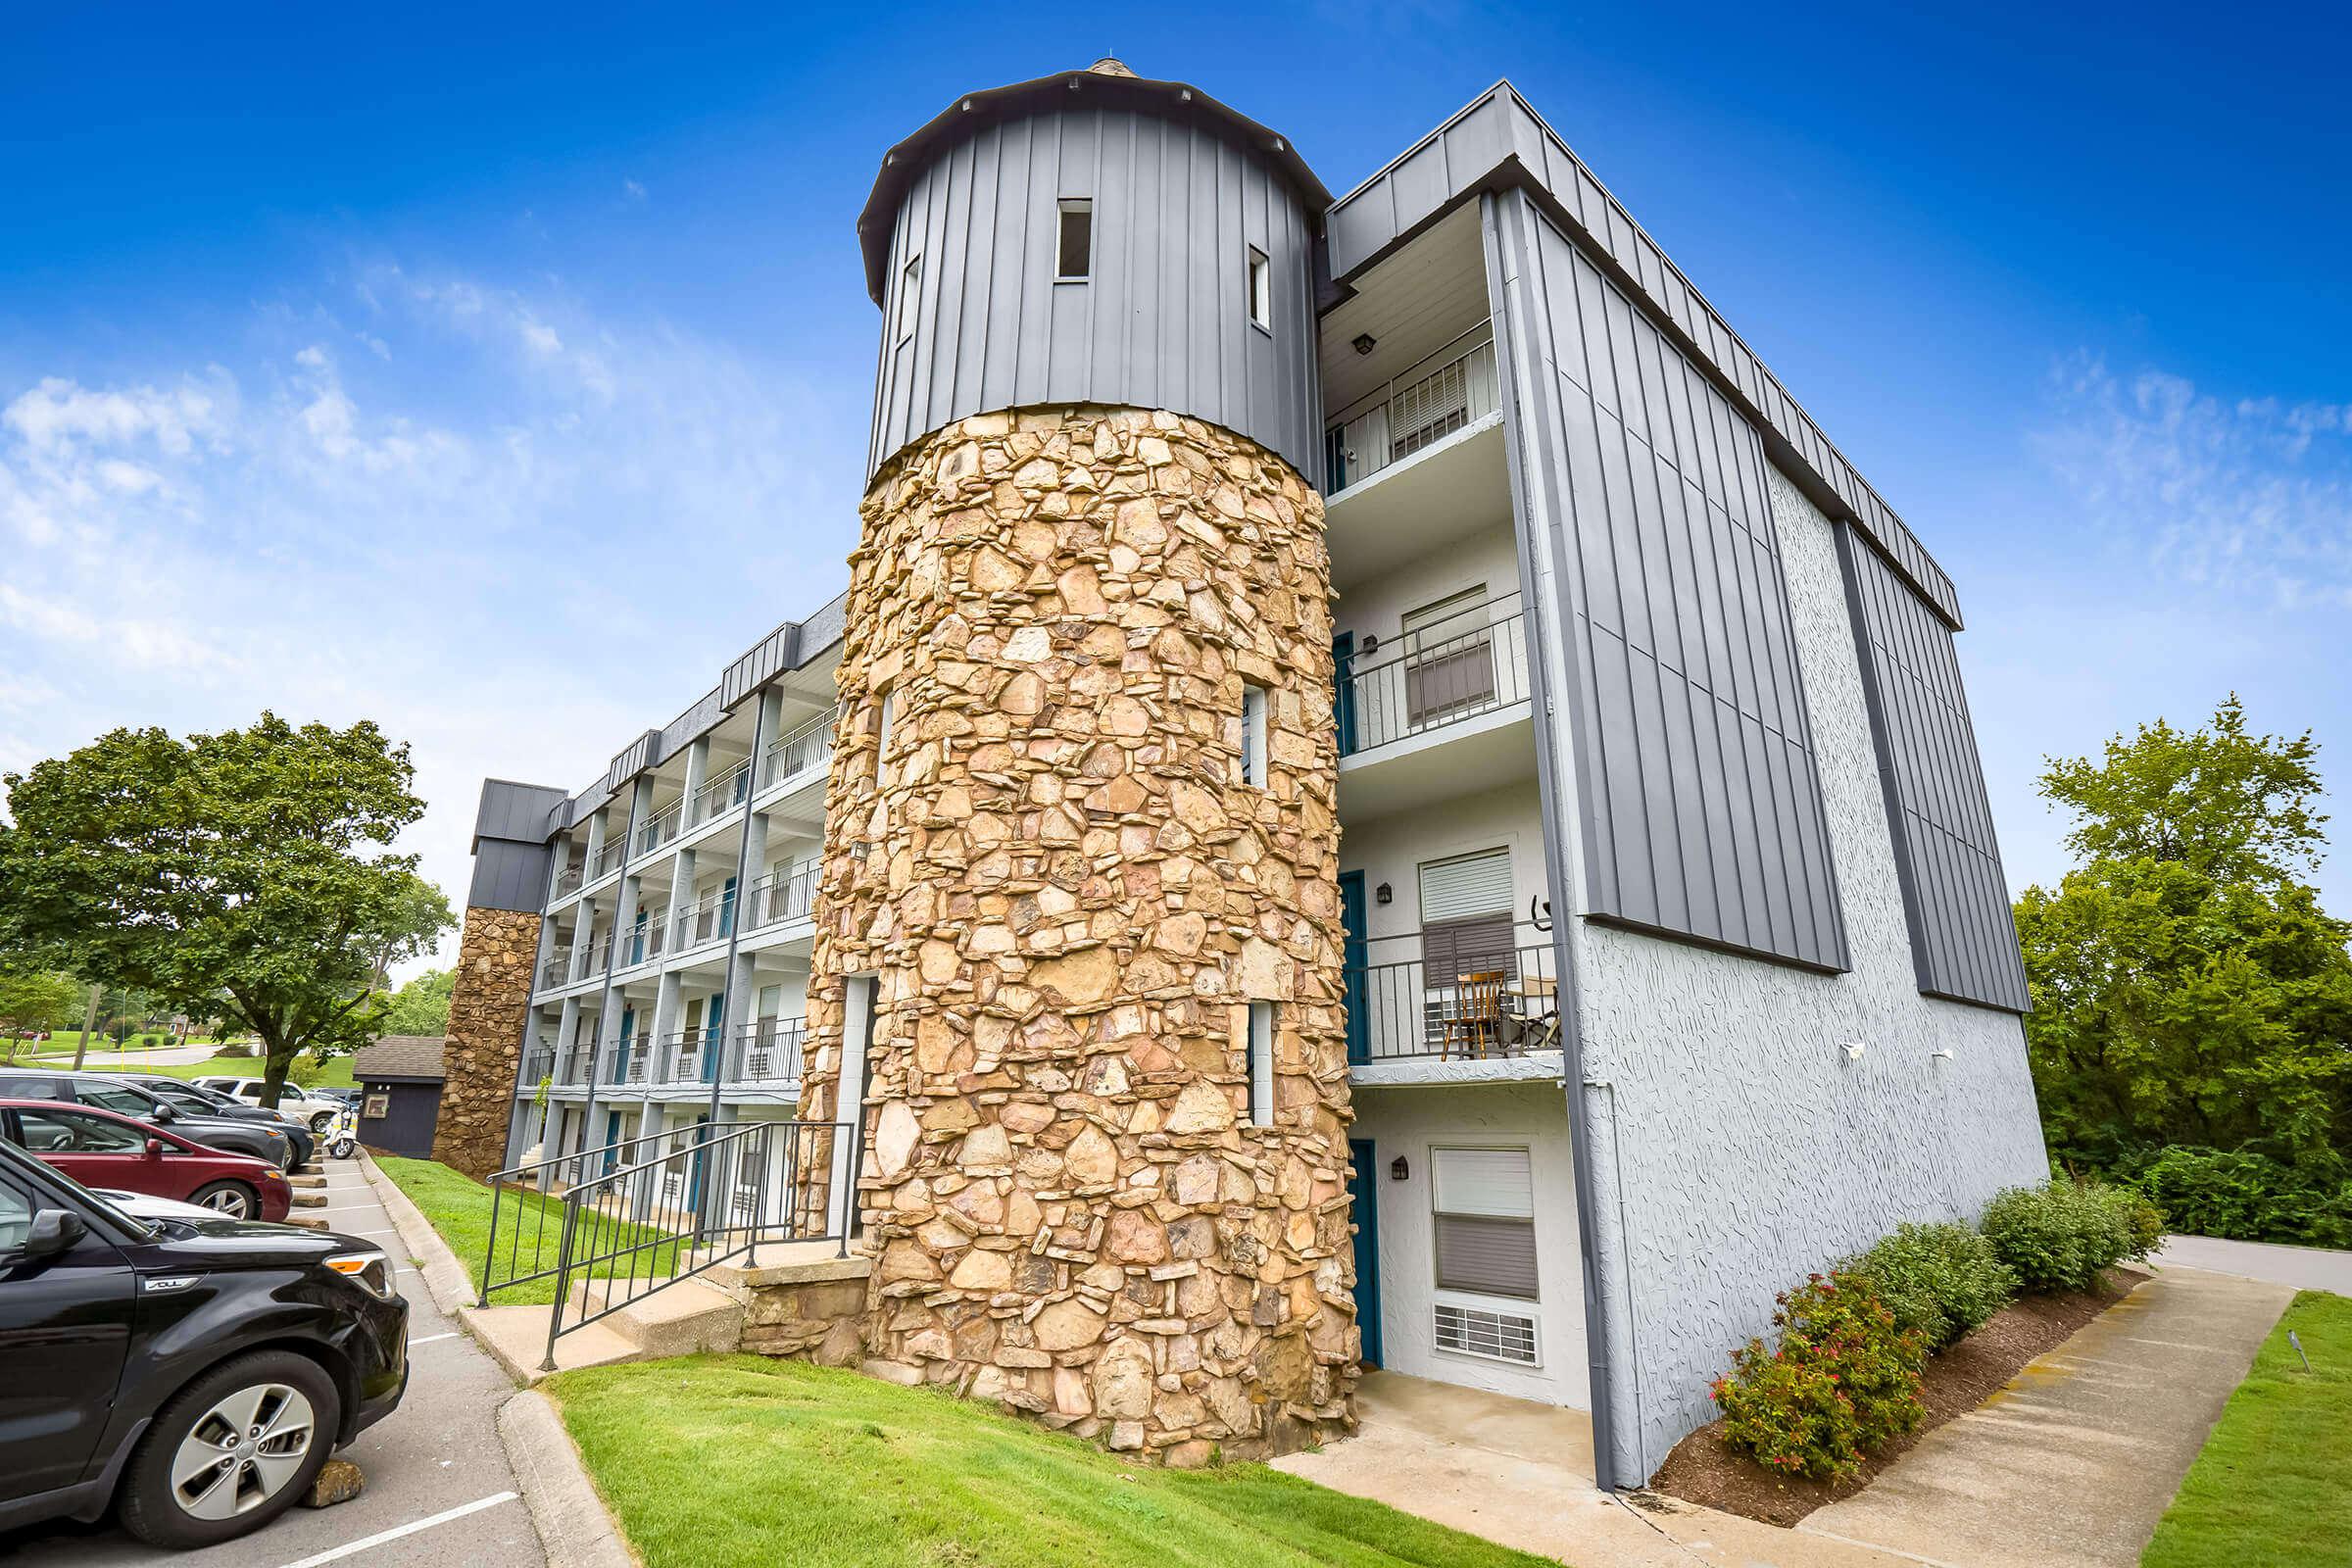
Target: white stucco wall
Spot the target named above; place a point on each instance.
(1411, 1121)
(1392, 850)
(1739, 1144)
(1378, 607)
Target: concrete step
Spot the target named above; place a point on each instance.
(681, 1318)
(516, 1339)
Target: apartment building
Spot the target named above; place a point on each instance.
(1380, 796)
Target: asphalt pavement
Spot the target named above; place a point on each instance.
(2305, 1268)
(439, 1485)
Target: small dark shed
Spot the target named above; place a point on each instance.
(400, 1099)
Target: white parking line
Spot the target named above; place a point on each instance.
(383, 1536)
(430, 1338)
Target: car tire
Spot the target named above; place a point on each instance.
(230, 1200)
(322, 1123)
(289, 1400)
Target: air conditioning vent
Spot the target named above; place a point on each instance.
(1498, 1336)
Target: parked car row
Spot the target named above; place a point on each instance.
(171, 1353)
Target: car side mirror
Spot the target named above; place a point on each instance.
(53, 1231)
(155, 1148)
(161, 1114)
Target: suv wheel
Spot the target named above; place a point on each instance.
(232, 1198)
(231, 1451)
(323, 1122)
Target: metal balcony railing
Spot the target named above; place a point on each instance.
(1443, 392)
(1468, 990)
(722, 794)
(706, 919)
(687, 1056)
(765, 1052)
(642, 942)
(537, 1063)
(607, 862)
(572, 1067)
(568, 880)
(786, 895)
(556, 970)
(1469, 663)
(809, 746)
(659, 828)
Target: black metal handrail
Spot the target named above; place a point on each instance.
(786, 895)
(1469, 663)
(645, 1213)
(1465, 989)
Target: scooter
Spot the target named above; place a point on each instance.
(344, 1137)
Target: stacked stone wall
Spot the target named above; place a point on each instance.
(1068, 895)
(497, 952)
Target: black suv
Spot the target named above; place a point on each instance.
(263, 1139)
(194, 1374)
(194, 1099)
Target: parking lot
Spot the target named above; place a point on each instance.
(439, 1485)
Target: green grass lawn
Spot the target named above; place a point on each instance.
(336, 1074)
(2273, 1482)
(741, 1459)
(458, 1207)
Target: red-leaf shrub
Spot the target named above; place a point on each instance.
(1842, 1381)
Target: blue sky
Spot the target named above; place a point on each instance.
(503, 373)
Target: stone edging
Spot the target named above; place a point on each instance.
(575, 1528)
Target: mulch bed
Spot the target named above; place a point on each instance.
(1701, 1469)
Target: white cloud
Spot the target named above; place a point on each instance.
(2249, 497)
(632, 190)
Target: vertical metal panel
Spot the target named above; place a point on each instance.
(1955, 897)
(1703, 812)
(1162, 321)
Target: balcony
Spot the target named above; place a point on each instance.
(1477, 991)
(708, 919)
(721, 794)
(1447, 392)
(1447, 672)
(556, 970)
(537, 1063)
(809, 746)
(659, 829)
(764, 1052)
(568, 882)
(607, 862)
(641, 943)
(787, 895)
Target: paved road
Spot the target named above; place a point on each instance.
(437, 1454)
(162, 1056)
(2307, 1268)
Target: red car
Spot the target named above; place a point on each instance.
(104, 1148)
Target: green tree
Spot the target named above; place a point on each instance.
(246, 874)
(2188, 988)
(35, 1001)
(421, 1007)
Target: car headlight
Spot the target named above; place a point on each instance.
(369, 1267)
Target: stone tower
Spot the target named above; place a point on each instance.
(1078, 945)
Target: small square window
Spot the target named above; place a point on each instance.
(1262, 290)
(911, 297)
(1074, 240)
(377, 1107)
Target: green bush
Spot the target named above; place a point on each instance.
(1843, 1381)
(1942, 1280)
(2059, 1236)
(2246, 1196)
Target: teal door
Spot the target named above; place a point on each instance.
(1363, 1200)
(726, 910)
(1354, 953)
(1343, 688)
(713, 1013)
(612, 1138)
(620, 1057)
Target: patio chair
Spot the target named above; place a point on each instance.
(1475, 1019)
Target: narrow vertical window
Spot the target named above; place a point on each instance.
(1262, 290)
(882, 723)
(1261, 1063)
(1254, 736)
(1074, 240)
(911, 296)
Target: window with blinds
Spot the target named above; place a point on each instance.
(1485, 1205)
(1465, 917)
(1450, 659)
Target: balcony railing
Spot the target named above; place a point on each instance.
(572, 1065)
(706, 919)
(1457, 668)
(556, 971)
(567, 881)
(1465, 989)
(765, 1052)
(722, 794)
(641, 942)
(786, 895)
(809, 746)
(537, 1063)
(1446, 392)
(659, 828)
(607, 862)
(687, 1056)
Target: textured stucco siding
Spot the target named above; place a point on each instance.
(1736, 1145)
(1413, 1122)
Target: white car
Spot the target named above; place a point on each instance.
(318, 1112)
(139, 1205)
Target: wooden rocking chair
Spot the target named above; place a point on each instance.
(1477, 1018)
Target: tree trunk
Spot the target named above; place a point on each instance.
(81, 1047)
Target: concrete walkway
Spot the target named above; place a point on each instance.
(2307, 1268)
(2075, 1461)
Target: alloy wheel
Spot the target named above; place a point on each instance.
(229, 1201)
(243, 1451)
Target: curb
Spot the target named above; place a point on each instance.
(445, 1278)
(574, 1526)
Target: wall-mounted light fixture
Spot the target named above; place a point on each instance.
(1940, 1054)
(1365, 342)
(1399, 1170)
(1853, 1049)
(1384, 894)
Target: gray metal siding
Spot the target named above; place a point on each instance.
(1955, 897)
(508, 875)
(1499, 141)
(1162, 321)
(1701, 801)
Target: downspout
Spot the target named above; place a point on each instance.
(727, 1021)
(604, 997)
(1597, 1350)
